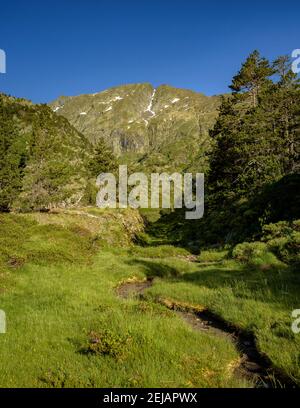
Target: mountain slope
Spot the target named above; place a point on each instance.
(42, 157)
(154, 128)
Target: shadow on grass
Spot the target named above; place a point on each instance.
(168, 229)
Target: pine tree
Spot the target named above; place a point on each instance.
(286, 101)
(102, 160)
(252, 77)
(282, 67)
(255, 145)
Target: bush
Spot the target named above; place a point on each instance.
(287, 248)
(107, 343)
(247, 251)
(283, 239)
(279, 230)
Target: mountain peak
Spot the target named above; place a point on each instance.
(142, 122)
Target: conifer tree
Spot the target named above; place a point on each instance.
(256, 145)
(252, 77)
(102, 160)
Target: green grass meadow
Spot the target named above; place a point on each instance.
(58, 280)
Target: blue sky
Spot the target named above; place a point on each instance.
(69, 47)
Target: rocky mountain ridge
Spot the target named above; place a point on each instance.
(143, 123)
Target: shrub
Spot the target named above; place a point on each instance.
(277, 230)
(287, 248)
(107, 343)
(256, 254)
(283, 239)
(246, 251)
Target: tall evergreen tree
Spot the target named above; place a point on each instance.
(102, 159)
(258, 143)
(286, 111)
(252, 77)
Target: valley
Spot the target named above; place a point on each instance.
(72, 325)
(147, 297)
(149, 203)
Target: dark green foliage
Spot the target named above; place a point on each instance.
(253, 178)
(244, 219)
(283, 239)
(255, 145)
(13, 155)
(102, 159)
(254, 168)
(252, 77)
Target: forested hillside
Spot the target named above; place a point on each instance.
(42, 157)
(254, 167)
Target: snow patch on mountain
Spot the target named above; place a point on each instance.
(149, 107)
(116, 98)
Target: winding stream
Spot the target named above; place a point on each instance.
(252, 366)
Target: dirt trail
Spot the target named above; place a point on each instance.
(253, 366)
